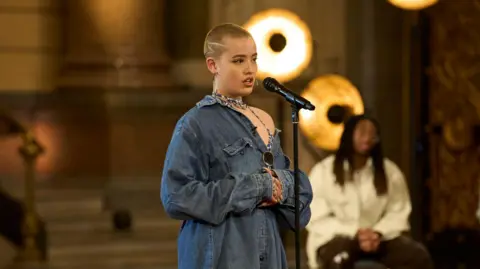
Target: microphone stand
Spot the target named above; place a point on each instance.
(295, 120)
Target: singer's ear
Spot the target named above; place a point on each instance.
(211, 65)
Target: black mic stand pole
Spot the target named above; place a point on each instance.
(295, 120)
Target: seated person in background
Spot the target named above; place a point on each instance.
(361, 205)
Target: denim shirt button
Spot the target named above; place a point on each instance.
(262, 258)
(242, 152)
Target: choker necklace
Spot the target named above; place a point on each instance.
(229, 102)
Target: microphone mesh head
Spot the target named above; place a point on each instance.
(269, 84)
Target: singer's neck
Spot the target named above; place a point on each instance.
(227, 94)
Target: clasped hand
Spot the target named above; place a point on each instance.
(277, 193)
(368, 240)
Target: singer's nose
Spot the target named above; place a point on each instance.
(248, 68)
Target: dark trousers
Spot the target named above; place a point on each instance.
(399, 253)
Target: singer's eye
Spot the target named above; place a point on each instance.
(254, 60)
(238, 61)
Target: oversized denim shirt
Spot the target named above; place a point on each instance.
(213, 180)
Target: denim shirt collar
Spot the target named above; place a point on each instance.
(208, 100)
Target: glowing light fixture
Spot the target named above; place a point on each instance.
(413, 4)
(335, 99)
(284, 43)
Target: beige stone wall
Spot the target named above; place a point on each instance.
(29, 45)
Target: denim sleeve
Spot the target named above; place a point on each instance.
(286, 209)
(187, 192)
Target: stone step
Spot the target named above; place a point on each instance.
(131, 256)
(133, 194)
(114, 265)
(61, 195)
(159, 232)
(115, 253)
(48, 194)
(145, 218)
(70, 208)
(146, 259)
(48, 189)
(141, 193)
(137, 262)
(114, 249)
(94, 205)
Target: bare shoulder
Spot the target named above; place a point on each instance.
(265, 117)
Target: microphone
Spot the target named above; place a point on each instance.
(272, 85)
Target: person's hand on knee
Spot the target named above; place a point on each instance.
(368, 240)
(376, 239)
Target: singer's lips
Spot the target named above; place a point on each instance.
(250, 80)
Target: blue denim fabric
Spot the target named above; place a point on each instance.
(213, 180)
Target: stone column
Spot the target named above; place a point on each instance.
(112, 44)
(186, 34)
(113, 52)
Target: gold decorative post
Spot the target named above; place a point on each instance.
(29, 151)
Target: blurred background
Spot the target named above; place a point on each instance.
(90, 91)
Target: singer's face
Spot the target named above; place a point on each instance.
(237, 67)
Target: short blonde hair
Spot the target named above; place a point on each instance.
(213, 45)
